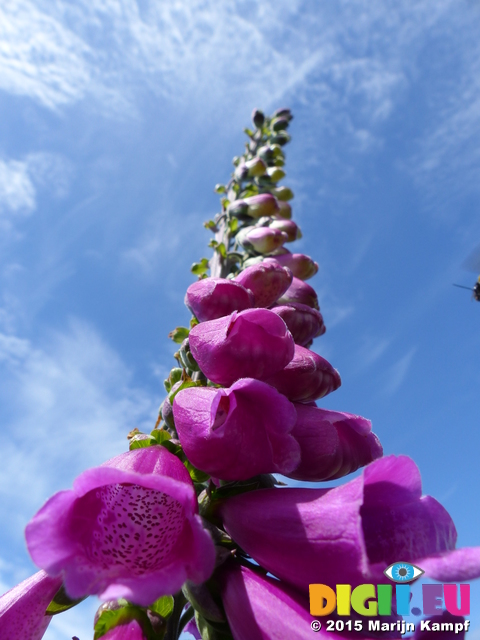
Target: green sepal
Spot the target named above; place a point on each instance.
(174, 377)
(160, 436)
(225, 202)
(212, 630)
(185, 385)
(61, 602)
(218, 246)
(110, 619)
(195, 474)
(163, 606)
(140, 441)
(199, 268)
(179, 334)
(220, 188)
(249, 132)
(233, 225)
(210, 224)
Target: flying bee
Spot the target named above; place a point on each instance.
(475, 289)
(472, 263)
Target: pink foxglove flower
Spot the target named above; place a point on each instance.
(22, 609)
(332, 444)
(349, 534)
(128, 529)
(303, 322)
(299, 291)
(266, 280)
(263, 239)
(307, 377)
(253, 603)
(302, 266)
(237, 433)
(212, 298)
(250, 344)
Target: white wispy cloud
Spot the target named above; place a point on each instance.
(65, 407)
(17, 192)
(395, 376)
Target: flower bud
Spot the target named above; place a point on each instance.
(284, 210)
(333, 444)
(263, 204)
(250, 344)
(275, 174)
(303, 322)
(282, 193)
(186, 357)
(263, 239)
(280, 138)
(289, 227)
(302, 266)
(237, 433)
(266, 153)
(300, 291)
(307, 377)
(238, 208)
(212, 298)
(255, 167)
(283, 113)
(266, 280)
(241, 172)
(258, 118)
(279, 124)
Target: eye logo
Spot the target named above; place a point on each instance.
(403, 572)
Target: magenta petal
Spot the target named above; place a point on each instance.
(22, 609)
(192, 629)
(307, 377)
(129, 631)
(125, 530)
(260, 608)
(321, 529)
(250, 344)
(333, 444)
(350, 534)
(212, 298)
(237, 433)
(266, 280)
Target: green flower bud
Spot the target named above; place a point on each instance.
(186, 357)
(284, 210)
(279, 124)
(238, 208)
(255, 167)
(275, 174)
(282, 193)
(283, 113)
(280, 138)
(266, 153)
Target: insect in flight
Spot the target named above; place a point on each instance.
(472, 263)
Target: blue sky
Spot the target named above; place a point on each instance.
(118, 118)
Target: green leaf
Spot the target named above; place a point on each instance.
(163, 606)
(195, 474)
(176, 449)
(199, 268)
(179, 334)
(225, 202)
(61, 602)
(233, 225)
(220, 188)
(249, 132)
(193, 322)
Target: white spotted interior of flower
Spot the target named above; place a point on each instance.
(138, 528)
